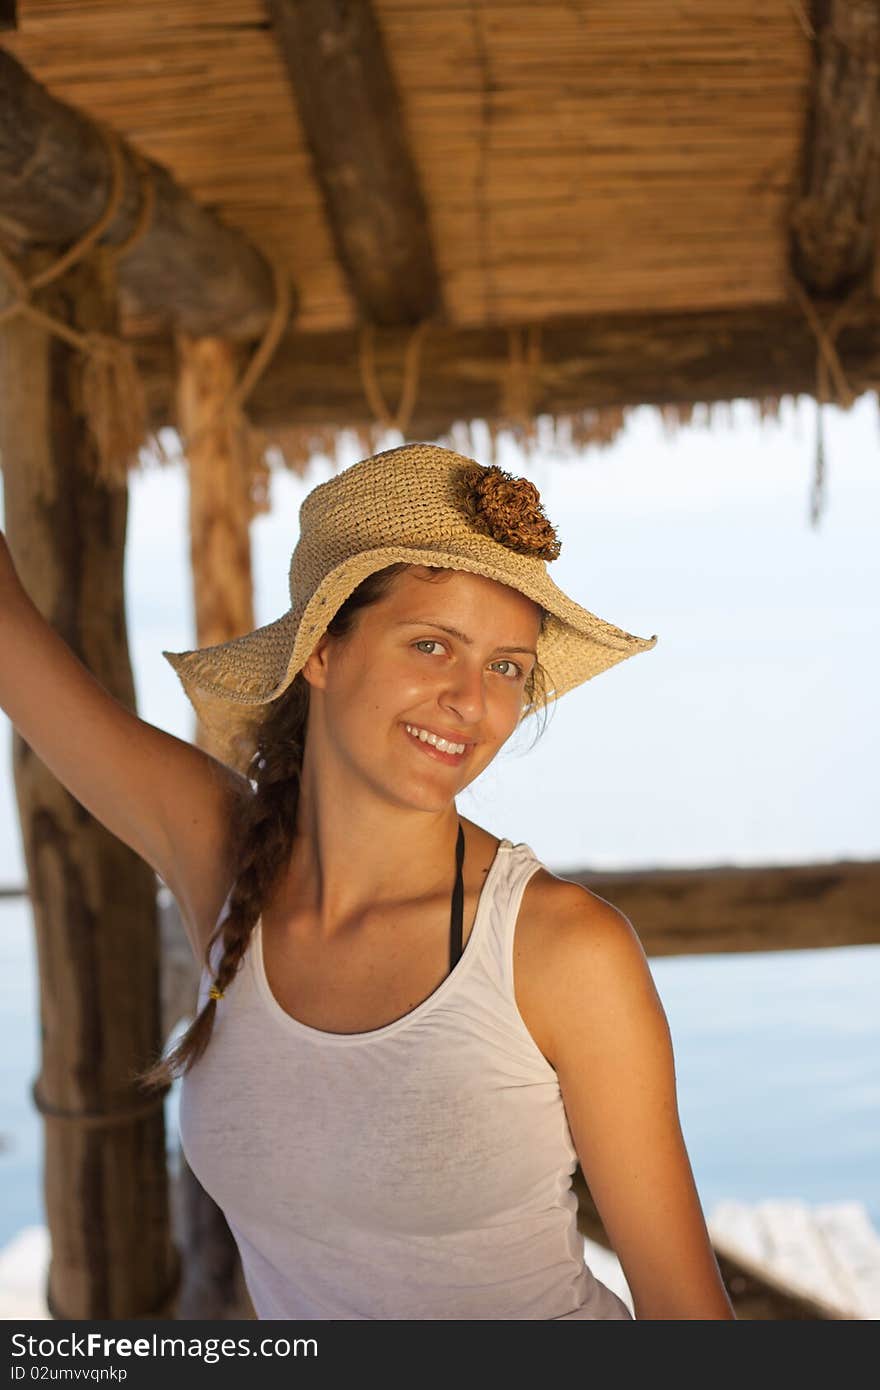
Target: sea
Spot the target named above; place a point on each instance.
(777, 1059)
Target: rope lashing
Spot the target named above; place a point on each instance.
(401, 418)
(23, 289)
(111, 1119)
(113, 393)
(259, 361)
(828, 364)
(828, 368)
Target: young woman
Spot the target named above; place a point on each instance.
(408, 1030)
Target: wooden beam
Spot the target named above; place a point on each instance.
(835, 223)
(768, 908)
(188, 270)
(353, 124)
(719, 910)
(314, 380)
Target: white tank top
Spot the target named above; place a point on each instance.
(419, 1170)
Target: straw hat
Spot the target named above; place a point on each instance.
(424, 505)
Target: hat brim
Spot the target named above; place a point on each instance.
(230, 684)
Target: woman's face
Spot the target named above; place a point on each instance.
(449, 656)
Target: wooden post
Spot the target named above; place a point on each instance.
(220, 505)
(94, 901)
(220, 514)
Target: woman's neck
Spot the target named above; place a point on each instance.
(345, 865)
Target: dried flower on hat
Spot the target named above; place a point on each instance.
(508, 509)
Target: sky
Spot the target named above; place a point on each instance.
(748, 735)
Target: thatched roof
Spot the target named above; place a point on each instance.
(585, 207)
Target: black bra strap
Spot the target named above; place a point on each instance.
(455, 928)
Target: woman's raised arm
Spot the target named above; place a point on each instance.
(166, 799)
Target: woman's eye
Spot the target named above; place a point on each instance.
(434, 642)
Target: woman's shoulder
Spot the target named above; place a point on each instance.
(562, 926)
(560, 911)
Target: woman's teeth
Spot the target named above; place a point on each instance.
(440, 743)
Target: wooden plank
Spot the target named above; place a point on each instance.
(848, 1228)
(187, 270)
(828, 1254)
(354, 127)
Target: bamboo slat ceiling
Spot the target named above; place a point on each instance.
(613, 157)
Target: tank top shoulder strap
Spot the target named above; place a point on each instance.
(517, 866)
(520, 862)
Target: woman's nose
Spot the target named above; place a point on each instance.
(465, 692)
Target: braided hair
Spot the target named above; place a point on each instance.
(264, 824)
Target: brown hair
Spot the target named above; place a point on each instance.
(264, 823)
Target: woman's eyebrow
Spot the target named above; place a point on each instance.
(462, 636)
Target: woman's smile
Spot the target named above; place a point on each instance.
(438, 754)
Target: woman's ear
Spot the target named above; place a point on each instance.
(315, 668)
